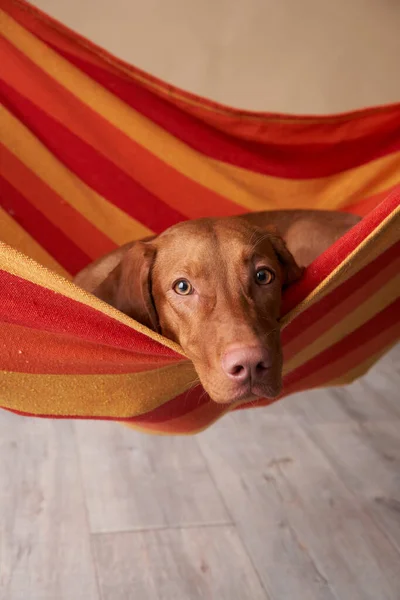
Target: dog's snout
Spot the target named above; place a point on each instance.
(246, 364)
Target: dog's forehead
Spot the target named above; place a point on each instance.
(203, 247)
(208, 234)
(189, 250)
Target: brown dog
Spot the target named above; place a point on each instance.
(214, 287)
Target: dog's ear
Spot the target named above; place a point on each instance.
(128, 286)
(291, 270)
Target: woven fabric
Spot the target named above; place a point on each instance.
(95, 153)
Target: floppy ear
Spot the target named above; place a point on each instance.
(128, 286)
(291, 270)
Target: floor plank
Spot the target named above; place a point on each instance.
(135, 482)
(44, 539)
(383, 381)
(372, 397)
(310, 482)
(183, 564)
(338, 549)
(284, 565)
(367, 459)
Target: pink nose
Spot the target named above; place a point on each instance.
(246, 363)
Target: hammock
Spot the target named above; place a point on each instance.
(95, 153)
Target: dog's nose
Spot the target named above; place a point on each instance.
(246, 363)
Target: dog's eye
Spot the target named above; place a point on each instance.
(183, 287)
(264, 276)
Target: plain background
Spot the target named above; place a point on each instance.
(303, 56)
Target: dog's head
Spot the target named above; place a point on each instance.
(214, 287)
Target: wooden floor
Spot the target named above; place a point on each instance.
(299, 501)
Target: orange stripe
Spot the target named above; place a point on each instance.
(53, 32)
(281, 160)
(250, 190)
(371, 307)
(62, 315)
(376, 234)
(202, 416)
(21, 266)
(106, 217)
(64, 355)
(89, 239)
(337, 314)
(12, 233)
(140, 164)
(190, 423)
(112, 396)
(342, 379)
(363, 367)
(367, 205)
(289, 129)
(369, 174)
(342, 366)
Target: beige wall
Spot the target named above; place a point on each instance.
(284, 55)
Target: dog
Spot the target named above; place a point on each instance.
(214, 286)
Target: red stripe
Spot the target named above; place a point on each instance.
(162, 414)
(351, 304)
(342, 369)
(170, 186)
(30, 305)
(374, 345)
(280, 160)
(246, 124)
(50, 237)
(325, 264)
(179, 407)
(367, 205)
(188, 423)
(320, 309)
(74, 225)
(63, 354)
(194, 398)
(96, 171)
(182, 405)
(337, 352)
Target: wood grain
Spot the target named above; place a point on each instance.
(298, 500)
(336, 545)
(135, 482)
(197, 564)
(44, 539)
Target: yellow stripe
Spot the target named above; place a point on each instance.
(334, 192)
(251, 190)
(363, 313)
(187, 97)
(18, 264)
(13, 234)
(380, 239)
(120, 396)
(360, 369)
(350, 376)
(106, 217)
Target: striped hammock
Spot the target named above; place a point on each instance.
(95, 153)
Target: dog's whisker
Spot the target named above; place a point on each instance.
(260, 239)
(193, 383)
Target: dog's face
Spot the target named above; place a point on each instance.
(213, 286)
